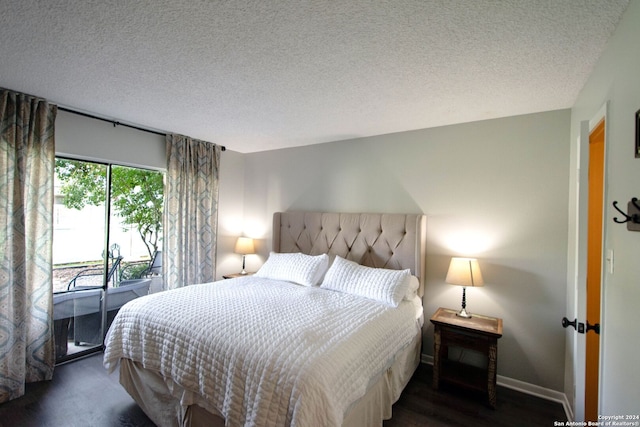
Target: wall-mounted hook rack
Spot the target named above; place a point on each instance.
(631, 217)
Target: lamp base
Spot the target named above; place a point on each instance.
(243, 272)
(463, 313)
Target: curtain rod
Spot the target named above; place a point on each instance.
(116, 123)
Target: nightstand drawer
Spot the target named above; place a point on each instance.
(454, 337)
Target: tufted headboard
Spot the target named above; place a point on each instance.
(394, 241)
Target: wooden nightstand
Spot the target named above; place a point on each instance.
(234, 275)
(479, 333)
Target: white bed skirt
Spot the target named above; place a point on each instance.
(161, 398)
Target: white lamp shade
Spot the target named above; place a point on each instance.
(244, 246)
(464, 272)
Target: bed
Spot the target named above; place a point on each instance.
(296, 344)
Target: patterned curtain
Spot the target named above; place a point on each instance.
(190, 211)
(27, 160)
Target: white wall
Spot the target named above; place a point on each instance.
(616, 80)
(90, 139)
(230, 212)
(494, 189)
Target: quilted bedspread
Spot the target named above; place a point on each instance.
(264, 352)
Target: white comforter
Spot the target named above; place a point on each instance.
(264, 352)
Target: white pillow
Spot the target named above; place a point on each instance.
(380, 284)
(412, 289)
(299, 268)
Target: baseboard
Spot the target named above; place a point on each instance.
(523, 387)
(535, 390)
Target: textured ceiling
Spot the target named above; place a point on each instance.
(260, 75)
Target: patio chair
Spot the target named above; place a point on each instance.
(94, 272)
(155, 266)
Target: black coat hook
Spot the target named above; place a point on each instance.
(627, 218)
(635, 218)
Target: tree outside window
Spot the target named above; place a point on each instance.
(136, 195)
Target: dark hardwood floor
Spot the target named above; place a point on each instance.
(82, 394)
(421, 405)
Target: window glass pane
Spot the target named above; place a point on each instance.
(136, 213)
(136, 225)
(78, 255)
(79, 212)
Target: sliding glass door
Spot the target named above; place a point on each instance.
(107, 230)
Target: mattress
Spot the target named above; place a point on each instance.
(256, 351)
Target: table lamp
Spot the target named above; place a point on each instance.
(464, 272)
(244, 246)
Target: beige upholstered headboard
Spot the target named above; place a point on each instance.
(394, 241)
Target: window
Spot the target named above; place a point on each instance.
(107, 229)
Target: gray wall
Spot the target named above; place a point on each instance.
(616, 81)
(494, 189)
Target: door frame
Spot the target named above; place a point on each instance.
(579, 303)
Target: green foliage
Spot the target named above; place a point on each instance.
(133, 271)
(136, 194)
(83, 183)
